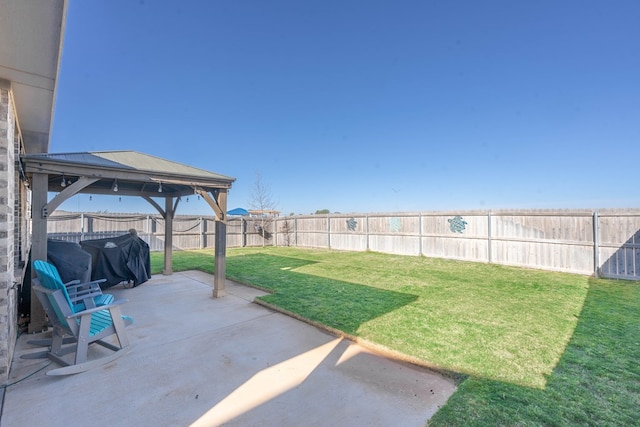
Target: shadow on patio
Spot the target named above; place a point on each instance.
(201, 361)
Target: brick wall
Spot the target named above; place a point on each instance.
(8, 294)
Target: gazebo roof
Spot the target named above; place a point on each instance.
(129, 172)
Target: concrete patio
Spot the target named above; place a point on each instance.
(200, 361)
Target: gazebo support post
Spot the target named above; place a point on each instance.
(38, 320)
(219, 288)
(219, 205)
(168, 236)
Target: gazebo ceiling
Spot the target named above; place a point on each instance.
(127, 173)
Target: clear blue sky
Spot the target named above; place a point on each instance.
(363, 106)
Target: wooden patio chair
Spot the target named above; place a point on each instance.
(84, 327)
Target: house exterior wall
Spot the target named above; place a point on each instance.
(11, 224)
(7, 325)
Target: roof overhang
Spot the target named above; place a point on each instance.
(31, 36)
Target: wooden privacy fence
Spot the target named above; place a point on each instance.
(189, 232)
(604, 243)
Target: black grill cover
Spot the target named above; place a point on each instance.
(119, 259)
(72, 262)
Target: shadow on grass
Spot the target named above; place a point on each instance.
(336, 304)
(596, 382)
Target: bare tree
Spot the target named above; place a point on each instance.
(262, 202)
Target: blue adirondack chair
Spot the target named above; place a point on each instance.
(76, 292)
(73, 331)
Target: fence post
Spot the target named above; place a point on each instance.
(295, 231)
(202, 233)
(489, 237)
(82, 226)
(596, 247)
(420, 233)
(243, 232)
(275, 232)
(329, 231)
(366, 229)
(90, 225)
(147, 230)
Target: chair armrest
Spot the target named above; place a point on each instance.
(93, 310)
(73, 282)
(77, 284)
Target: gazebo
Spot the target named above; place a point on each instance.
(122, 173)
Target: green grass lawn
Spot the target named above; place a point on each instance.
(531, 347)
